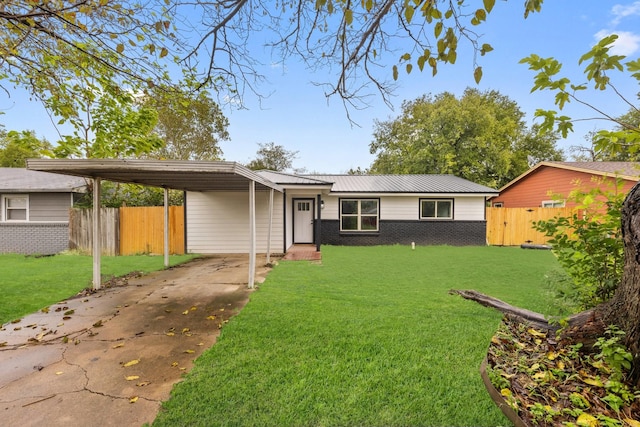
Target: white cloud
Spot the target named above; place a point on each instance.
(621, 11)
(627, 44)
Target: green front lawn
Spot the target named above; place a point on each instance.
(28, 283)
(370, 337)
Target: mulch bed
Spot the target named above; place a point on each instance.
(549, 384)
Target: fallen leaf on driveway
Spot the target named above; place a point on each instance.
(143, 383)
(59, 373)
(134, 399)
(97, 324)
(189, 351)
(185, 312)
(118, 345)
(131, 363)
(132, 377)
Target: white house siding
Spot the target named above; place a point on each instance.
(406, 208)
(469, 209)
(218, 222)
(49, 207)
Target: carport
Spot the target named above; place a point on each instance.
(168, 174)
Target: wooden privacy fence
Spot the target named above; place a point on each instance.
(128, 231)
(81, 230)
(142, 230)
(514, 226)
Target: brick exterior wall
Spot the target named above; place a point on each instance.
(454, 233)
(34, 238)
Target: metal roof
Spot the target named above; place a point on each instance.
(20, 180)
(175, 174)
(402, 184)
(290, 179)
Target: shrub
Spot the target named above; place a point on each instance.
(588, 244)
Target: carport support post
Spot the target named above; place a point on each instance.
(166, 227)
(97, 243)
(270, 225)
(252, 233)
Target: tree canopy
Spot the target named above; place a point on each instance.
(16, 147)
(190, 124)
(272, 157)
(481, 137)
(56, 50)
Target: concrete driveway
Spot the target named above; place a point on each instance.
(110, 358)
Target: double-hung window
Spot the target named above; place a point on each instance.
(359, 214)
(15, 207)
(436, 209)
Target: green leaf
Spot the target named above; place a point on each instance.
(477, 74)
(348, 16)
(488, 5)
(485, 49)
(408, 13)
(437, 29)
(395, 72)
(421, 61)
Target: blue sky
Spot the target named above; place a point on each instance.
(298, 116)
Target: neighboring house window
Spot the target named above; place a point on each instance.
(359, 214)
(553, 203)
(498, 205)
(15, 207)
(436, 209)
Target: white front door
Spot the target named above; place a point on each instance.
(303, 221)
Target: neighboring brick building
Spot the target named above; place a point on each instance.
(538, 186)
(34, 210)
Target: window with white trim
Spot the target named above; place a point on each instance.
(553, 203)
(15, 207)
(436, 209)
(359, 214)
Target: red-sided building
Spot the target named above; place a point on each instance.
(540, 185)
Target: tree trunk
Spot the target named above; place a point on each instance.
(623, 310)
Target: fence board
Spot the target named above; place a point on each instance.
(514, 226)
(142, 230)
(81, 226)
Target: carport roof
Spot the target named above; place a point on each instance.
(175, 174)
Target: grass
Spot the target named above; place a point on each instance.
(370, 337)
(29, 283)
